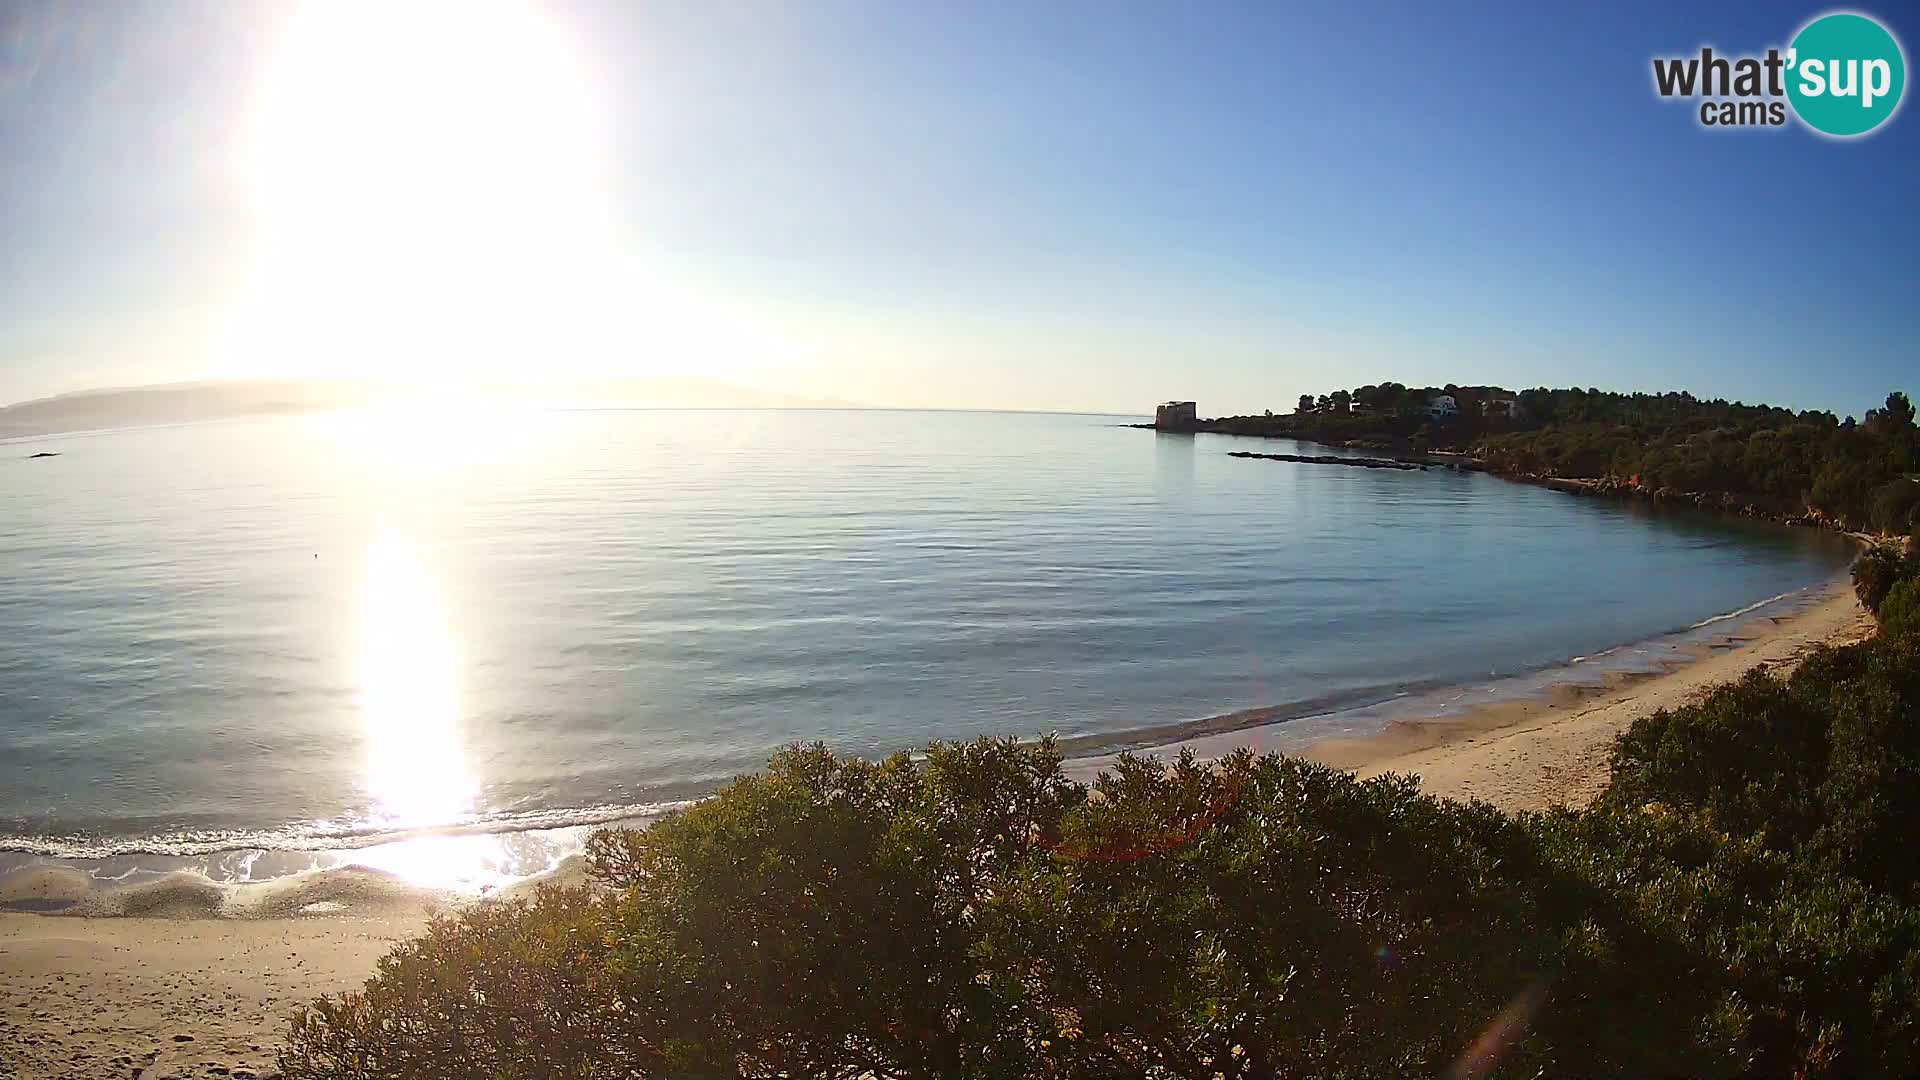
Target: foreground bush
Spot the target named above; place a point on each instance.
(1824, 765)
(1900, 612)
(977, 914)
(518, 989)
(1876, 571)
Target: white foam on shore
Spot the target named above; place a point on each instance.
(1737, 612)
(330, 884)
(325, 836)
(382, 874)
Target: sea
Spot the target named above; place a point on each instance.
(443, 643)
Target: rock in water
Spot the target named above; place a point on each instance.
(1356, 462)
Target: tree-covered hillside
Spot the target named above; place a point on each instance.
(1863, 474)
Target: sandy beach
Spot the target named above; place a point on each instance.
(1534, 754)
(191, 996)
(158, 997)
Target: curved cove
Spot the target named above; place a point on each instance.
(349, 632)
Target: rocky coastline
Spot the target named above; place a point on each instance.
(1724, 502)
(1327, 459)
(1742, 505)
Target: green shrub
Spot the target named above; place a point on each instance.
(1778, 966)
(976, 914)
(828, 915)
(511, 989)
(1894, 505)
(1273, 917)
(1825, 764)
(1900, 611)
(834, 913)
(1875, 572)
(1750, 756)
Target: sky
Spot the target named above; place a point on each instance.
(1058, 205)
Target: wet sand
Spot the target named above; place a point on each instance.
(1549, 748)
(1553, 751)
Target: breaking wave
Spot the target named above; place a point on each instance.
(327, 836)
(1737, 612)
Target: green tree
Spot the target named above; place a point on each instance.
(1900, 612)
(1876, 571)
(1897, 416)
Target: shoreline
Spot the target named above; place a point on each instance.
(1385, 728)
(1551, 747)
(1553, 751)
(1350, 729)
(179, 991)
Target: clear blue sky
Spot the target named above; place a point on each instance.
(1048, 205)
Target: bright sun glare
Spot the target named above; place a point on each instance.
(430, 186)
(409, 696)
(409, 692)
(427, 186)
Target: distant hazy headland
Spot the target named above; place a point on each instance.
(180, 403)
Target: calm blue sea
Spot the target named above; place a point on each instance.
(330, 630)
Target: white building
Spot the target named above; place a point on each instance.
(1441, 405)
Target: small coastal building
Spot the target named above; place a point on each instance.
(1506, 407)
(1442, 405)
(1176, 414)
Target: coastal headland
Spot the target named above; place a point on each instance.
(1805, 467)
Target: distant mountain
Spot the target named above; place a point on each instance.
(179, 403)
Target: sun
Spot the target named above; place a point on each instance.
(428, 181)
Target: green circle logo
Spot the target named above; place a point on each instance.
(1845, 74)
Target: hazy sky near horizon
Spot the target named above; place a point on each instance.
(1002, 205)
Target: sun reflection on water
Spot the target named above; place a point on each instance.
(416, 774)
(409, 693)
(469, 864)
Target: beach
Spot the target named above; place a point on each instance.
(189, 995)
(1537, 753)
(158, 997)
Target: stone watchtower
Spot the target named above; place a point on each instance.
(1176, 416)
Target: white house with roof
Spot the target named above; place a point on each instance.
(1442, 405)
